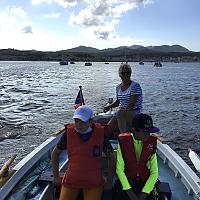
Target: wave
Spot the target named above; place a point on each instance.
(29, 106)
(18, 90)
(9, 133)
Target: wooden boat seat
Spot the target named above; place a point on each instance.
(47, 176)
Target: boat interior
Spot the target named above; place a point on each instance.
(179, 181)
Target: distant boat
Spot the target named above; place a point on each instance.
(141, 63)
(88, 64)
(63, 62)
(72, 62)
(106, 63)
(125, 62)
(158, 64)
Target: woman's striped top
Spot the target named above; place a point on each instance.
(124, 96)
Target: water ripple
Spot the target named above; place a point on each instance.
(37, 98)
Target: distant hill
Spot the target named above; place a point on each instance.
(167, 48)
(129, 49)
(135, 46)
(134, 53)
(83, 49)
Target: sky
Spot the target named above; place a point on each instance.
(51, 25)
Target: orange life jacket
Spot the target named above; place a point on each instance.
(134, 168)
(84, 169)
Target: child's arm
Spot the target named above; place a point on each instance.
(151, 181)
(120, 170)
(108, 150)
(111, 172)
(55, 165)
(62, 145)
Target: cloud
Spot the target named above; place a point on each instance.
(16, 12)
(11, 19)
(68, 3)
(38, 2)
(96, 22)
(145, 3)
(27, 29)
(103, 16)
(102, 34)
(52, 15)
(63, 3)
(96, 15)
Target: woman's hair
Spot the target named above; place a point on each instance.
(125, 67)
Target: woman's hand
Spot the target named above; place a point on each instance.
(106, 108)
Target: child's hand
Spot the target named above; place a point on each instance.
(142, 196)
(132, 195)
(108, 185)
(57, 180)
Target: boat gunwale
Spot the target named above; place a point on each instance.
(28, 162)
(49, 185)
(187, 176)
(180, 168)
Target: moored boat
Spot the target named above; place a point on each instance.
(158, 64)
(88, 64)
(32, 176)
(63, 62)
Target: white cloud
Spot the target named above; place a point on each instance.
(38, 2)
(96, 24)
(99, 14)
(63, 3)
(40, 40)
(114, 41)
(11, 19)
(67, 3)
(16, 12)
(52, 15)
(100, 17)
(146, 2)
(27, 29)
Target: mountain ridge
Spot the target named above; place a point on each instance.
(161, 48)
(134, 53)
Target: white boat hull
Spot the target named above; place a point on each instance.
(183, 181)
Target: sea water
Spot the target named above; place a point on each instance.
(37, 98)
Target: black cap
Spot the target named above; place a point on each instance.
(144, 122)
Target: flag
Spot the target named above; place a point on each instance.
(79, 100)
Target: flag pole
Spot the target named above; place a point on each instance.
(82, 100)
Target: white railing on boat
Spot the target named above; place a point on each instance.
(180, 168)
(28, 162)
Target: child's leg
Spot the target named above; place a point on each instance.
(69, 193)
(92, 193)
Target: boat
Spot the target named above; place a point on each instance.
(72, 62)
(88, 64)
(141, 63)
(63, 62)
(158, 64)
(106, 63)
(32, 176)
